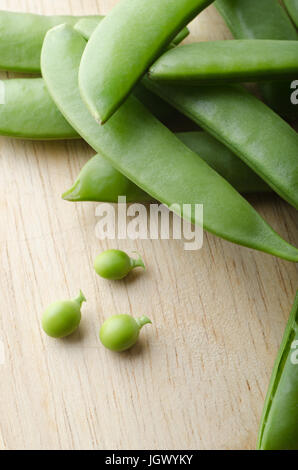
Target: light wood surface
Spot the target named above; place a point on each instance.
(198, 377)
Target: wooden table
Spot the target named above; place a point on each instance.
(198, 377)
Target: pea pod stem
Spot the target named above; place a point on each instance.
(148, 154)
(278, 428)
(80, 298)
(142, 321)
(137, 263)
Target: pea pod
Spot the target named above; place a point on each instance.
(28, 111)
(263, 19)
(250, 129)
(25, 101)
(147, 153)
(99, 181)
(292, 7)
(28, 101)
(158, 107)
(87, 26)
(279, 424)
(22, 35)
(215, 62)
(125, 44)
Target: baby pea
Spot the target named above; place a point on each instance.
(63, 317)
(121, 332)
(115, 264)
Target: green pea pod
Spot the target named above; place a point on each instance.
(87, 26)
(28, 111)
(28, 101)
(156, 105)
(213, 109)
(215, 62)
(279, 424)
(292, 7)
(22, 35)
(25, 101)
(263, 19)
(99, 181)
(148, 154)
(125, 44)
(250, 129)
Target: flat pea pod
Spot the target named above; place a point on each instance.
(100, 181)
(216, 62)
(22, 35)
(25, 101)
(263, 19)
(63, 317)
(120, 332)
(292, 7)
(162, 110)
(148, 154)
(28, 111)
(125, 44)
(87, 26)
(116, 264)
(250, 129)
(279, 424)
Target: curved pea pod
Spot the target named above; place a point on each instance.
(279, 424)
(125, 44)
(148, 154)
(99, 181)
(27, 111)
(162, 110)
(22, 35)
(87, 26)
(292, 7)
(263, 19)
(215, 62)
(250, 129)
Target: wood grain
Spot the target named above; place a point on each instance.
(198, 377)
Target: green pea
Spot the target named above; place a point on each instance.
(63, 317)
(115, 264)
(121, 332)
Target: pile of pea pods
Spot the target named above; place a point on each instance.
(118, 81)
